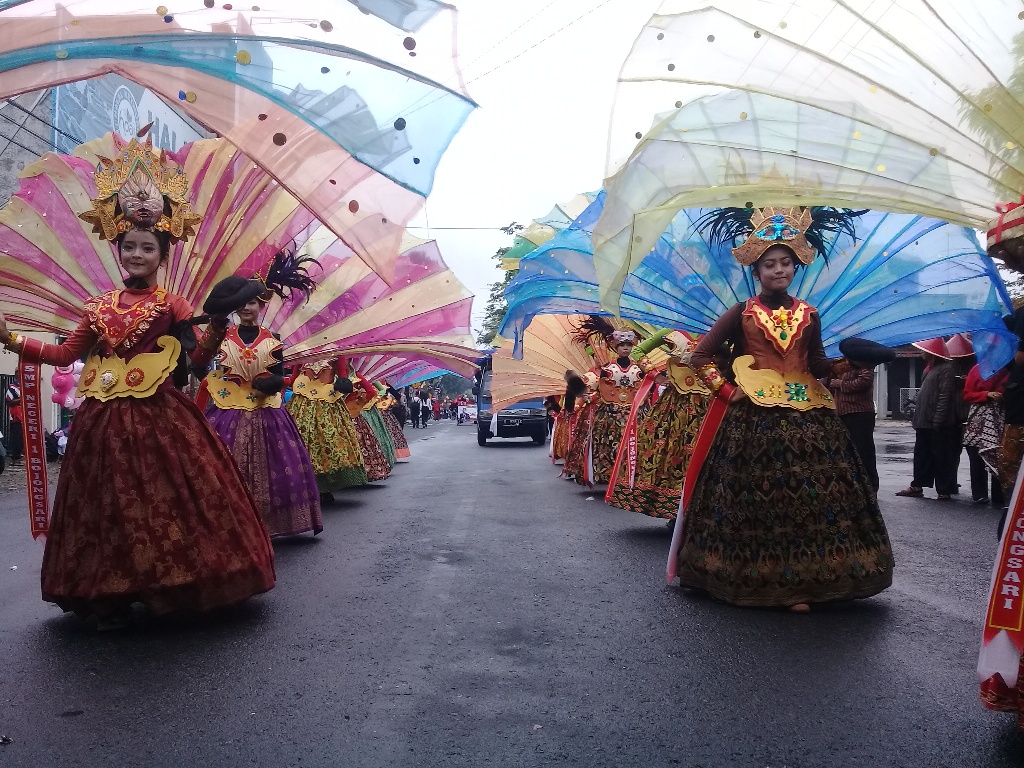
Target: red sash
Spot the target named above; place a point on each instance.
(627, 447)
(34, 442)
(1006, 594)
(705, 438)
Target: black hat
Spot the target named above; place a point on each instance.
(231, 294)
(864, 352)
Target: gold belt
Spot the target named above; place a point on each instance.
(238, 396)
(105, 378)
(789, 389)
(311, 389)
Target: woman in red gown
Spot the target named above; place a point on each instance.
(149, 508)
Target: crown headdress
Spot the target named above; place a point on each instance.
(807, 232)
(141, 189)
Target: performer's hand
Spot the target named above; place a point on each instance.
(737, 395)
(997, 396)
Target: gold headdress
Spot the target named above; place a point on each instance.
(808, 232)
(141, 189)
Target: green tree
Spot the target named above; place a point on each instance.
(496, 306)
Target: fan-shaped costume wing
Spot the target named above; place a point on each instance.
(913, 109)
(56, 262)
(906, 277)
(425, 316)
(353, 121)
(548, 351)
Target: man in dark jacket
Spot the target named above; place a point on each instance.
(937, 424)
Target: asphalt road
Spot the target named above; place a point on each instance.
(474, 610)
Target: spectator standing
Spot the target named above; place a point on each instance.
(937, 425)
(414, 409)
(984, 432)
(14, 437)
(426, 407)
(853, 392)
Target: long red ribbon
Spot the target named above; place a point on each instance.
(627, 446)
(34, 443)
(701, 446)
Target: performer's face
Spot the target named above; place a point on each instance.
(250, 313)
(624, 348)
(775, 269)
(140, 254)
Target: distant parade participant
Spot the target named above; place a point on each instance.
(375, 461)
(14, 435)
(243, 402)
(614, 385)
(318, 407)
(782, 512)
(415, 405)
(577, 405)
(150, 508)
(389, 405)
(655, 453)
(371, 412)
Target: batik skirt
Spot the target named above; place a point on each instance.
(331, 440)
(784, 513)
(664, 444)
(380, 429)
(579, 441)
(605, 436)
(151, 508)
(397, 435)
(269, 451)
(560, 437)
(374, 458)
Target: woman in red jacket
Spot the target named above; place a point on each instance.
(983, 435)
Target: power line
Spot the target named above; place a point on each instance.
(47, 123)
(29, 131)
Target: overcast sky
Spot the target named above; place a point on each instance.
(540, 134)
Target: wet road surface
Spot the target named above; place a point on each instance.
(475, 610)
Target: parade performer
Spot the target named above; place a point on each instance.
(777, 507)
(372, 414)
(149, 508)
(318, 407)
(577, 404)
(560, 431)
(375, 461)
(243, 402)
(614, 385)
(388, 405)
(655, 451)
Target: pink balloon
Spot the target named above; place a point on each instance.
(78, 403)
(57, 398)
(62, 382)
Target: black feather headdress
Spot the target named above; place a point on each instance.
(287, 274)
(808, 232)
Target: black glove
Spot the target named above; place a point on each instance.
(268, 385)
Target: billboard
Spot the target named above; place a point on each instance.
(86, 110)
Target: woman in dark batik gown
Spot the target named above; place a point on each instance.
(782, 512)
